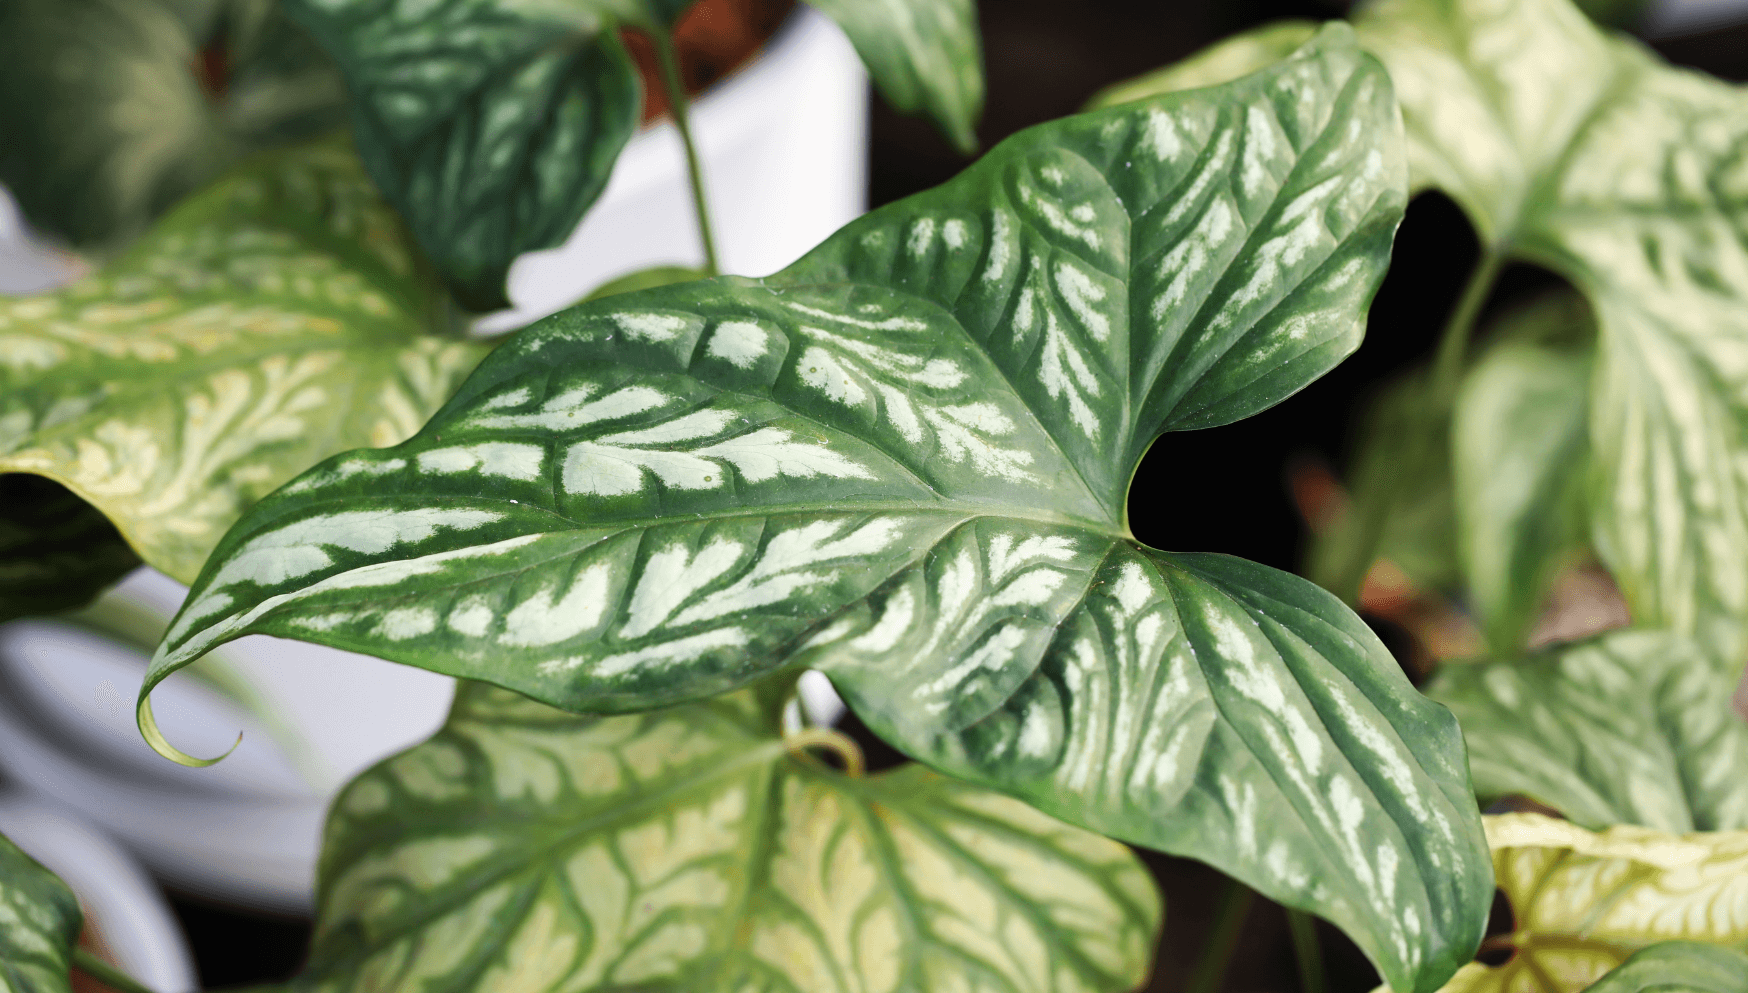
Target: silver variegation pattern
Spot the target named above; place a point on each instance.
(529, 849)
(905, 460)
(39, 925)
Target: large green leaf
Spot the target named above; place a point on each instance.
(1585, 153)
(56, 550)
(1679, 967)
(108, 125)
(925, 57)
(268, 322)
(531, 849)
(491, 125)
(39, 925)
(1632, 727)
(1519, 462)
(1583, 903)
(904, 460)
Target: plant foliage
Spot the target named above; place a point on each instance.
(39, 925)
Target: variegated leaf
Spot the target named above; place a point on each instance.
(267, 323)
(1519, 460)
(531, 849)
(1584, 902)
(1679, 967)
(925, 57)
(905, 460)
(39, 925)
(491, 125)
(1629, 728)
(116, 109)
(1584, 153)
(1221, 62)
(56, 550)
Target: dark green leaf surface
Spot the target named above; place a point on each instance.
(267, 323)
(530, 849)
(39, 925)
(56, 550)
(1586, 154)
(107, 124)
(1629, 728)
(1679, 967)
(905, 460)
(925, 57)
(1520, 459)
(491, 125)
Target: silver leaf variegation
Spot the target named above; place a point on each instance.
(39, 925)
(905, 460)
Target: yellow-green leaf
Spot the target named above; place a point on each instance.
(1583, 152)
(1583, 902)
(267, 323)
(689, 849)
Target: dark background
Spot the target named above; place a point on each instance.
(1044, 58)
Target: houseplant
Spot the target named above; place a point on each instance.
(435, 568)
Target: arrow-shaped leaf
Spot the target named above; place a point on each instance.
(904, 460)
(687, 849)
(1630, 728)
(268, 322)
(39, 925)
(1583, 902)
(1586, 154)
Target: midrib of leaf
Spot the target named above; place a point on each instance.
(536, 855)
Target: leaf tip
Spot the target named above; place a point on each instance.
(148, 726)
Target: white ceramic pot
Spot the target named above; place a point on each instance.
(784, 146)
(124, 910)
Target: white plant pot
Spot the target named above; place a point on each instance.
(784, 147)
(123, 908)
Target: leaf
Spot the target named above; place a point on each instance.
(1221, 62)
(1520, 455)
(1679, 967)
(491, 125)
(905, 460)
(1628, 728)
(56, 550)
(268, 322)
(1584, 902)
(1586, 154)
(39, 925)
(686, 849)
(108, 126)
(644, 279)
(925, 57)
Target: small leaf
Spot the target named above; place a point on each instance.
(1520, 451)
(644, 279)
(108, 123)
(267, 323)
(1629, 728)
(528, 848)
(39, 925)
(1584, 153)
(491, 125)
(1583, 903)
(925, 57)
(905, 460)
(1221, 62)
(56, 550)
(1679, 967)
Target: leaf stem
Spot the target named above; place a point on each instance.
(832, 740)
(1305, 948)
(87, 962)
(1447, 373)
(676, 92)
(1229, 917)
